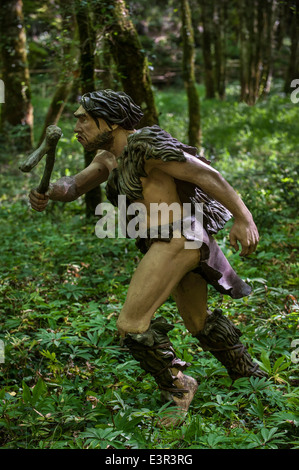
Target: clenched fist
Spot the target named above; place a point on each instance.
(38, 201)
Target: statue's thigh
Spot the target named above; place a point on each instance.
(159, 271)
(190, 296)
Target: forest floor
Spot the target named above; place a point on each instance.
(65, 381)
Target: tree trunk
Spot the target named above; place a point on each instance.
(293, 68)
(189, 75)
(248, 37)
(257, 25)
(87, 84)
(87, 47)
(271, 16)
(220, 28)
(106, 65)
(243, 53)
(17, 109)
(58, 102)
(130, 59)
(207, 13)
(67, 74)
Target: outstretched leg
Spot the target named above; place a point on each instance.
(215, 332)
(157, 274)
(161, 269)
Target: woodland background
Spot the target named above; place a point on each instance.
(220, 75)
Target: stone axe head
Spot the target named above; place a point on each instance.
(47, 147)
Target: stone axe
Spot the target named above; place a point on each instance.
(47, 147)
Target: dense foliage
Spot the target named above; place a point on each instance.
(65, 380)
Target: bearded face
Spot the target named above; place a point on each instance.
(91, 136)
(102, 141)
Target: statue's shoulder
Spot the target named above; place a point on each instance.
(146, 135)
(154, 142)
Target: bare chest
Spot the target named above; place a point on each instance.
(160, 198)
(159, 187)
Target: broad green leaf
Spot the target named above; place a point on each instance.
(26, 393)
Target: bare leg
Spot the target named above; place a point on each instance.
(160, 270)
(158, 273)
(190, 296)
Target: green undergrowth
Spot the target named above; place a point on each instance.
(65, 379)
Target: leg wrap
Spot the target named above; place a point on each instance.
(221, 338)
(156, 355)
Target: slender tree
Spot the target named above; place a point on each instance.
(67, 63)
(128, 55)
(220, 18)
(293, 67)
(189, 75)
(207, 13)
(271, 18)
(257, 27)
(87, 84)
(17, 109)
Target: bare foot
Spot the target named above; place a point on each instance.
(177, 414)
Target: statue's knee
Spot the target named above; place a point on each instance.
(127, 325)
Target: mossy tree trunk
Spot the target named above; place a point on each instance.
(129, 57)
(17, 110)
(106, 64)
(87, 84)
(189, 75)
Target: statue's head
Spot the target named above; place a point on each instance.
(115, 107)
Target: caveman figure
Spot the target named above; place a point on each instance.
(150, 167)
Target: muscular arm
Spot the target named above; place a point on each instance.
(69, 188)
(210, 180)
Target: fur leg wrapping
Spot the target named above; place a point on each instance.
(156, 355)
(221, 338)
